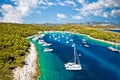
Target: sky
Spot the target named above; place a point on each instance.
(59, 11)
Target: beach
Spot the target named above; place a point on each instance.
(85, 35)
(28, 71)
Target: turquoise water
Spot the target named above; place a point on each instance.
(98, 63)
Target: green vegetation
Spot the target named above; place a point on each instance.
(14, 45)
(95, 32)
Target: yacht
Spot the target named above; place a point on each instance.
(48, 50)
(74, 65)
(55, 38)
(46, 44)
(85, 43)
(113, 49)
(67, 42)
(41, 35)
(71, 40)
(41, 41)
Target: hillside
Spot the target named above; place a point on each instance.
(14, 45)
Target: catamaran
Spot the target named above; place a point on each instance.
(76, 64)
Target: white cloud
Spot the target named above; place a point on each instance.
(115, 12)
(106, 14)
(10, 14)
(98, 8)
(110, 3)
(94, 8)
(77, 17)
(82, 2)
(61, 3)
(61, 16)
(17, 13)
(21, 9)
(70, 3)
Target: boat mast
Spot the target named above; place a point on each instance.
(74, 54)
(76, 57)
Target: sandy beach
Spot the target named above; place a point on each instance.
(28, 71)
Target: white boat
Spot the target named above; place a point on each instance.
(48, 50)
(113, 49)
(46, 44)
(84, 41)
(41, 41)
(76, 64)
(67, 42)
(41, 35)
(71, 40)
(55, 38)
(35, 38)
(86, 45)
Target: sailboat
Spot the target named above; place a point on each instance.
(76, 64)
(114, 49)
(85, 43)
(67, 41)
(48, 50)
(46, 44)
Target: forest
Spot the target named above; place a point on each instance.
(14, 45)
(98, 32)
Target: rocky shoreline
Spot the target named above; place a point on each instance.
(28, 71)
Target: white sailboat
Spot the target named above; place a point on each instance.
(85, 43)
(76, 64)
(114, 49)
(67, 41)
(48, 50)
(47, 44)
(41, 41)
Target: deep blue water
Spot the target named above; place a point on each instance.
(98, 63)
(116, 31)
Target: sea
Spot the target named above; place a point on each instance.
(115, 31)
(97, 61)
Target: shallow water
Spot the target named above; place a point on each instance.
(98, 63)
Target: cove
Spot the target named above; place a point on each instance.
(98, 63)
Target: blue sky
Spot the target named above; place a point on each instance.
(59, 11)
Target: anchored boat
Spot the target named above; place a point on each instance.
(76, 64)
